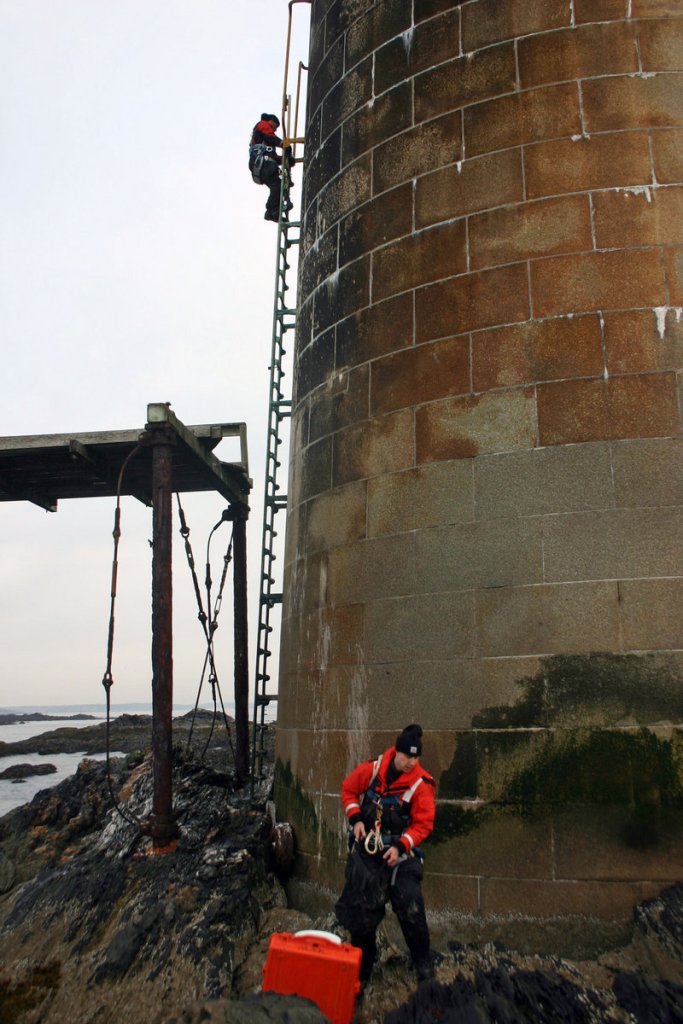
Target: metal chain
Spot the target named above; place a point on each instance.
(209, 625)
(108, 678)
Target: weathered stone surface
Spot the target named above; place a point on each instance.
(471, 302)
(597, 161)
(430, 495)
(492, 20)
(632, 101)
(467, 186)
(637, 406)
(623, 219)
(422, 374)
(609, 544)
(644, 340)
(548, 619)
(494, 553)
(648, 472)
(374, 224)
(504, 314)
(543, 481)
(601, 280)
(383, 445)
(538, 350)
(382, 328)
(530, 231)
(417, 151)
(409, 262)
(551, 112)
(462, 428)
(430, 626)
(578, 53)
(464, 81)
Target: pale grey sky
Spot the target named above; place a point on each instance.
(135, 267)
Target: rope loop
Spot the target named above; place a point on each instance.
(373, 840)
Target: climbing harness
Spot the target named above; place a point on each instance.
(375, 840)
(258, 154)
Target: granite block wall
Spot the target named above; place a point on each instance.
(486, 481)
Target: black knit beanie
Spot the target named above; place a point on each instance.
(271, 117)
(410, 741)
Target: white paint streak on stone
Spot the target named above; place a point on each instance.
(459, 164)
(601, 319)
(358, 713)
(643, 74)
(408, 40)
(572, 16)
(629, 9)
(638, 190)
(660, 316)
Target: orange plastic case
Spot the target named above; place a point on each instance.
(317, 969)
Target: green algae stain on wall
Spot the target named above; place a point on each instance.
(295, 807)
(600, 689)
(454, 822)
(602, 766)
(588, 731)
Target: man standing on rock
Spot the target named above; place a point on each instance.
(389, 804)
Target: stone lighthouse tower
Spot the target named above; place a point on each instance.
(485, 532)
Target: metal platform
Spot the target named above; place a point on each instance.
(43, 468)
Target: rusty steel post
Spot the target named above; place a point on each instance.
(239, 515)
(162, 825)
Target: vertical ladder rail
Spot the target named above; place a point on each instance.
(279, 410)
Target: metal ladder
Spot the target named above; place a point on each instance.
(279, 410)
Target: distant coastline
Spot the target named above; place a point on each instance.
(13, 718)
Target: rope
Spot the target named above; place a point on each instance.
(108, 679)
(209, 623)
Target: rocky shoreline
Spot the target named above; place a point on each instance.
(16, 718)
(21, 772)
(95, 926)
(127, 733)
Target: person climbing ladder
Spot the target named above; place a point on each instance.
(265, 162)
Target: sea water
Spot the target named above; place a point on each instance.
(14, 793)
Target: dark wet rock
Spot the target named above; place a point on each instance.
(93, 895)
(96, 926)
(504, 995)
(263, 1008)
(25, 771)
(8, 873)
(649, 1000)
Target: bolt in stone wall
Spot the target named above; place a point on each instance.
(485, 529)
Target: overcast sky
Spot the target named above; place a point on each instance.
(135, 267)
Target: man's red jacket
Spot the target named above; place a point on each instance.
(415, 788)
(264, 132)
